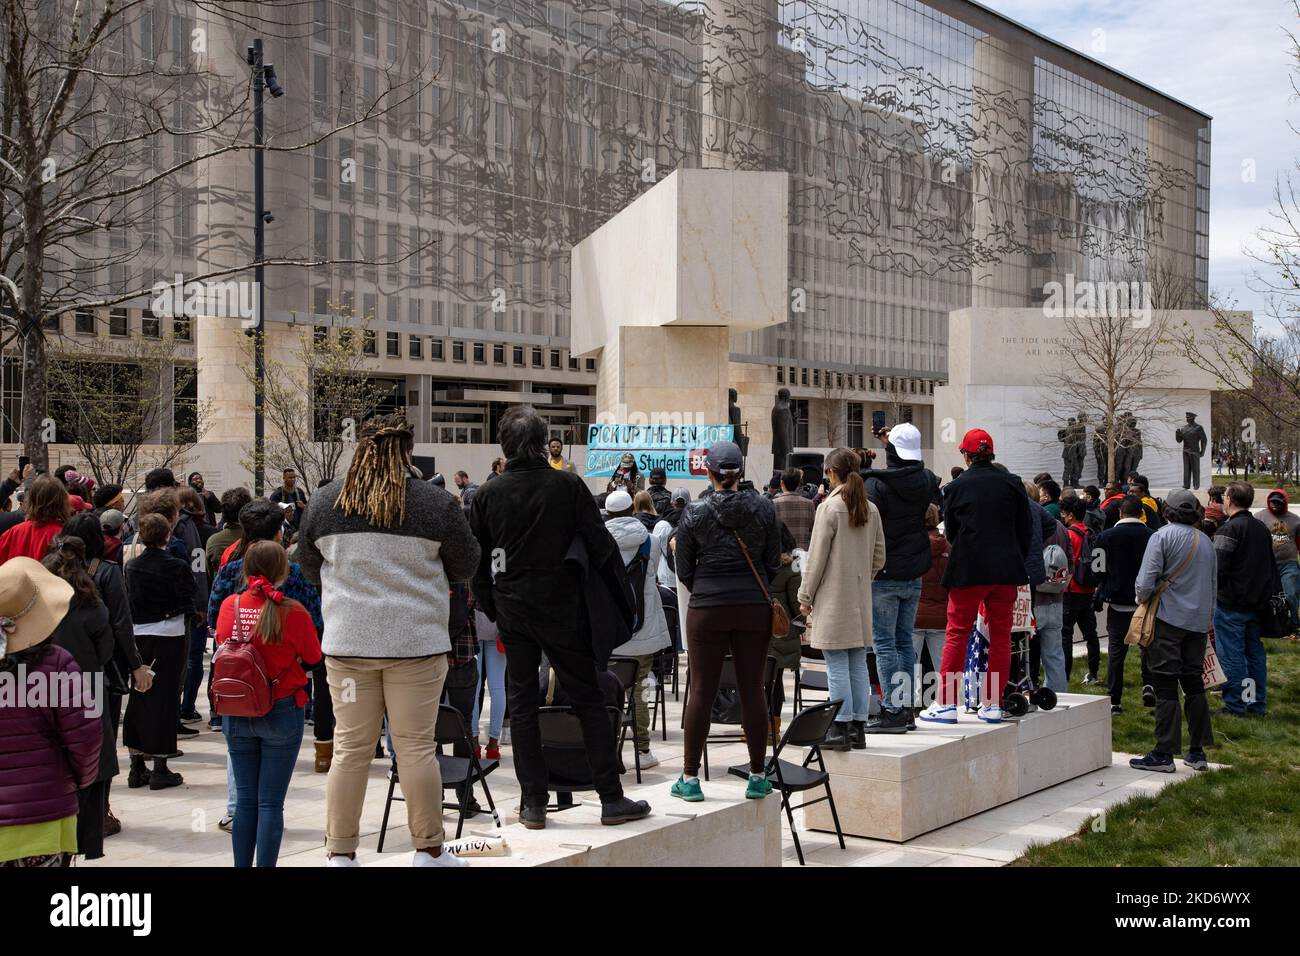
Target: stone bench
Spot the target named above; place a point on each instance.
(903, 786)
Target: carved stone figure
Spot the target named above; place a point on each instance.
(1099, 452)
(1193, 439)
(733, 417)
(782, 430)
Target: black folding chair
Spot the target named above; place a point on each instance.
(807, 729)
(624, 668)
(671, 656)
(805, 679)
(727, 681)
(564, 751)
(452, 729)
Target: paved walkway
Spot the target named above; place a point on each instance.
(178, 827)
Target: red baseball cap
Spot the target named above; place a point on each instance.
(977, 442)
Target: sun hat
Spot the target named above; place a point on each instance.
(32, 603)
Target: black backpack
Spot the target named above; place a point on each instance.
(1083, 573)
(637, 569)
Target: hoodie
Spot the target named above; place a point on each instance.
(1284, 528)
(630, 534)
(902, 492)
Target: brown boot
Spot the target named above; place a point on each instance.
(324, 755)
(112, 825)
(774, 727)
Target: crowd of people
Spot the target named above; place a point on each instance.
(367, 604)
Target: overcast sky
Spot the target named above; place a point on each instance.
(1228, 58)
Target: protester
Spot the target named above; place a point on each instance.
(189, 528)
(1051, 498)
(263, 750)
(835, 597)
(108, 498)
(626, 476)
(1244, 549)
(384, 548)
(658, 491)
(461, 686)
(1123, 547)
(292, 497)
(1078, 609)
(1047, 651)
(1178, 564)
(211, 504)
(466, 488)
(492, 667)
(232, 502)
(1150, 507)
(47, 508)
(1214, 509)
(986, 518)
(10, 515)
(728, 551)
(902, 492)
(161, 589)
(555, 457)
(111, 522)
(637, 545)
(49, 751)
(793, 509)
(643, 509)
(786, 651)
(932, 611)
(1284, 528)
(526, 521)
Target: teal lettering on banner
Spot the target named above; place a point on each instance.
(678, 449)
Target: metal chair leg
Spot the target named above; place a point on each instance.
(789, 815)
(388, 806)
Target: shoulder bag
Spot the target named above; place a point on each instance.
(1142, 629)
(780, 618)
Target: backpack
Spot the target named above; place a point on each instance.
(1057, 563)
(636, 575)
(240, 684)
(1084, 575)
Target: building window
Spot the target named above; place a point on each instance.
(518, 356)
(117, 323)
(457, 351)
(803, 376)
(780, 375)
(414, 348)
(591, 365)
(435, 349)
(537, 357)
(555, 358)
(854, 414)
(799, 407)
(369, 346)
(480, 353)
(150, 327)
(573, 363)
(498, 354)
(320, 336)
(394, 345)
(85, 322)
(182, 330)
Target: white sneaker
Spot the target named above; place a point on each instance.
(648, 760)
(339, 859)
(419, 858)
(990, 714)
(937, 714)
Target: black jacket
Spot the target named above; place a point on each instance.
(1244, 548)
(112, 591)
(525, 522)
(986, 517)
(1123, 546)
(710, 562)
(160, 585)
(607, 612)
(903, 492)
(662, 497)
(85, 633)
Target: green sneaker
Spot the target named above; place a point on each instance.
(759, 787)
(690, 792)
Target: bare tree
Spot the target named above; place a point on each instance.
(316, 396)
(832, 411)
(103, 124)
(124, 406)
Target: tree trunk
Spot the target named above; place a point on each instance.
(32, 431)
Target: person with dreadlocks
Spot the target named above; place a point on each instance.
(385, 548)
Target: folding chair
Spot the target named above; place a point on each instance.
(624, 668)
(727, 681)
(805, 679)
(450, 728)
(564, 751)
(668, 597)
(807, 729)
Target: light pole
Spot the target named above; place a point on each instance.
(263, 78)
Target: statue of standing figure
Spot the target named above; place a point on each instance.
(733, 417)
(1193, 439)
(1074, 438)
(1099, 453)
(782, 430)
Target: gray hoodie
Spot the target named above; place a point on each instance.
(629, 534)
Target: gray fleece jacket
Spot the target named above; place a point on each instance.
(385, 592)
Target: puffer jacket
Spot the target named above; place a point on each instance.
(85, 633)
(47, 753)
(902, 493)
(709, 561)
(630, 534)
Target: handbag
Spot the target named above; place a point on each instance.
(780, 616)
(1142, 628)
(1275, 619)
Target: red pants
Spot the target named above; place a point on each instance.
(963, 606)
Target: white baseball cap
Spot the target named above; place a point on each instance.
(906, 439)
(618, 501)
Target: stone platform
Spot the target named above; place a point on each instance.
(903, 786)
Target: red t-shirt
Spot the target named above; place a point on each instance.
(298, 641)
(28, 540)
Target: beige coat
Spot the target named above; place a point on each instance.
(837, 575)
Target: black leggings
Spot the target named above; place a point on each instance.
(743, 631)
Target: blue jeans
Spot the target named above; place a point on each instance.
(263, 751)
(492, 662)
(893, 614)
(1051, 650)
(1241, 652)
(194, 666)
(848, 681)
(1289, 571)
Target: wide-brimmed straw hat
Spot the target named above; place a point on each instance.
(32, 603)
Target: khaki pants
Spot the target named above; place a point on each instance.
(362, 689)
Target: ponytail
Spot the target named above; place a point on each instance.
(853, 492)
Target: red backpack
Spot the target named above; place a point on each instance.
(241, 686)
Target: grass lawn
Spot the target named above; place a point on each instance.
(1247, 814)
